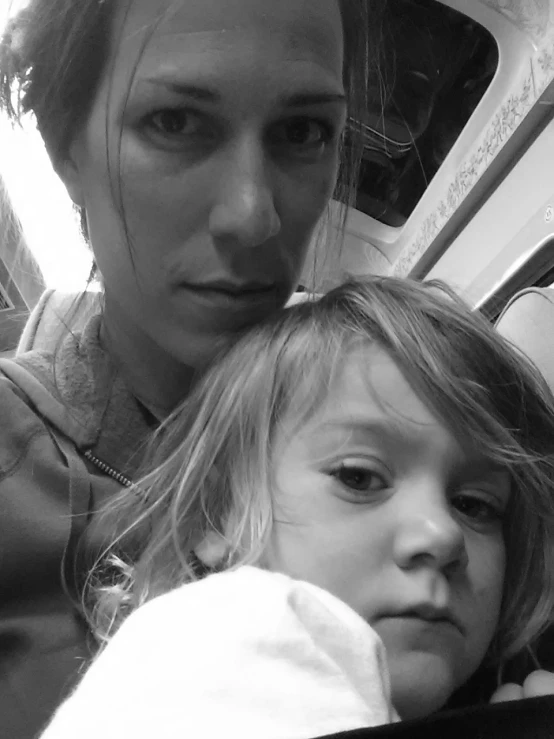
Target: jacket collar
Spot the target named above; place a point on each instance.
(79, 390)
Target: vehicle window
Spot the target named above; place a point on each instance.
(435, 67)
(50, 225)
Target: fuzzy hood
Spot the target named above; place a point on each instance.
(79, 391)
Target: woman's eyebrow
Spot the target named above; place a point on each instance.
(202, 94)
(206, 94)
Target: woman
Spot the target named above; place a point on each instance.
(201, 141)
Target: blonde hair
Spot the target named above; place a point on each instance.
(210, 463)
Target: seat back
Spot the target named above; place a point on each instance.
(528, 322)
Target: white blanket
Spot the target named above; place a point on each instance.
(248, 654)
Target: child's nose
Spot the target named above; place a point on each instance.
(427, 534)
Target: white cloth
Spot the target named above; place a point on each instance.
(248, 654)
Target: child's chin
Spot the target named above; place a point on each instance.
(420, 685)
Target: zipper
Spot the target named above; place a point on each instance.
(107, 470)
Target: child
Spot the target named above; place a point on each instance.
(350, 515)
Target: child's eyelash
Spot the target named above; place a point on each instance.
(359, 477)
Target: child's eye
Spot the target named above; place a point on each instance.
(477, 509)
(359, 478)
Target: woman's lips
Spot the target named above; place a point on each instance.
(232, 295)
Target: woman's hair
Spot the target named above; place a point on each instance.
(54, 52)
(211, 461)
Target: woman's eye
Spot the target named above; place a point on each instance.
(477, 509)
(303, 134)
(360, 479)
(175, 122)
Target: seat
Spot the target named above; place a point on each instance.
(528, 322)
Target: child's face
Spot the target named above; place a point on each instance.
(379, 504)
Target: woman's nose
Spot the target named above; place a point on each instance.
(427, 534)
(244, 213)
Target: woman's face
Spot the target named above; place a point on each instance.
(215, 131)
(376, 502)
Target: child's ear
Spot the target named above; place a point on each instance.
(212, 549)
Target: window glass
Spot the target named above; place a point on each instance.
(435, 67)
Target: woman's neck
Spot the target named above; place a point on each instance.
(157, 379)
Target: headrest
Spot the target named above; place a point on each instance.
(528, 322)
